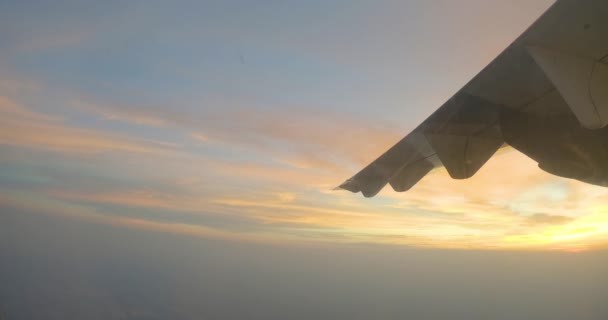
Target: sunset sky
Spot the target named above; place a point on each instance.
(236, 121)
(178, 159)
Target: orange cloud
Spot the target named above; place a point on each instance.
(9, 109)
(44, 205)
(489, 211)
(317, 141)
(140, 198)
(112, 112)
(22, 127)
(508, 204)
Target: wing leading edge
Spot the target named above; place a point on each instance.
(546, 95)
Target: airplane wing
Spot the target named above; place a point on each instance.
(545, 95)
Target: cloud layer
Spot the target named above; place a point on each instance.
(210, 134)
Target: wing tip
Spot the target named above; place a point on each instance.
(353, 186)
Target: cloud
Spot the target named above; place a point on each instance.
(277, 169)
(548, 219)
(112, 112)
(9, 109)
(13, 85)
(308, 140)
(45, 205)
(287, 202)
(22, 127)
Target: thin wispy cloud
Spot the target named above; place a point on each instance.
(232, 135)
(514, 211)
(26, 128)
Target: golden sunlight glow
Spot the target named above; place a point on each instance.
(509, 204)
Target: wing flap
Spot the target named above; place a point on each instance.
(463, 156)
(376, 175)
(466, 136)
(409, 175)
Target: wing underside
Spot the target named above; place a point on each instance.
(556, 72)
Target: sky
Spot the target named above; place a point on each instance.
(141, 139)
